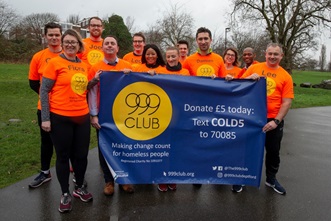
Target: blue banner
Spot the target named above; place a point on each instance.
(182, 129)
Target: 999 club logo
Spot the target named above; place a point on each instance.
(142, 111)
(205, 70)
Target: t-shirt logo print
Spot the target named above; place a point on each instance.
(205, 70)
(94, 57)
(271, 86)
(142, 111)
(79, 83)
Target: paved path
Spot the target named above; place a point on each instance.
(305, 172)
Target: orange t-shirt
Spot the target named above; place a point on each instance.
(102, 65)
(92, 53)
(245, 68)
(38, 64)
(207, 65)
(68, 95)
(279, 85)
(182, 61)
(183, 71)
(135, 60)
(144, 68)
(234, 72)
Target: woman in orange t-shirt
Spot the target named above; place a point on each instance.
(65, 114)
(173, 66)
(232, 69)
(151, 60)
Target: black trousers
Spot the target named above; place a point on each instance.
(272, 147)
(46, 146)
(71, 139)
(103, 164)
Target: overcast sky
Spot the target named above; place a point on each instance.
(207, 13)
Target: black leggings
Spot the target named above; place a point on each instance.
(46, 146)
(71, 139)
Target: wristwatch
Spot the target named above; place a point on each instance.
(277, 121)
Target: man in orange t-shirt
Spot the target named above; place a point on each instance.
(110, 63)
(138, 46)
(279, 99)
(53, 33)
(92, 53)
(183, 48)
(204, 62)
(248, 57)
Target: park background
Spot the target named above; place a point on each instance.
(306, 56)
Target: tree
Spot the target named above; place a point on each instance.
(33, 25)
(8, 18)
(308, 64)
(322, 58)
(254, 39)
(115, 26)
(129, 22)
(174, 26)
(241, 39)
(291, 23)
(73, 19)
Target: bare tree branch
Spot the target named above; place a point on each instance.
(290, 22)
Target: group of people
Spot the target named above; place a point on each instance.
(66, 77)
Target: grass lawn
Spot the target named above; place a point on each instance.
(19, 141)
(310, 97)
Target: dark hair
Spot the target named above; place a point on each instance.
(236, 62)
(201, 30)
(139, 34)
(94, 17)
(159, 60)
(52, 25)
(183, 42)
(249, 48)
(75, 34)
(110, 36)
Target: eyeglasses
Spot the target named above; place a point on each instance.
(73, 43)
(230, 55)
(95, 26)
(138, 41)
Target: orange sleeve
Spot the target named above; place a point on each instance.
(221, 67)
(34, 67)
(39, 62)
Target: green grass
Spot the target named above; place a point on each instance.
(310, 97)
(19, 141)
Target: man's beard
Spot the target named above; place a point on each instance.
(97, 35)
